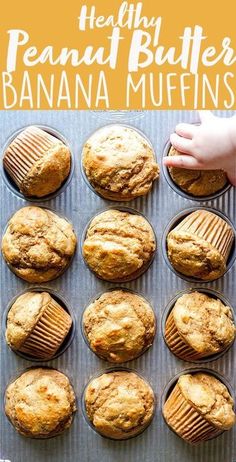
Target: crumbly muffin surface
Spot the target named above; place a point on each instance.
(23, 315)
(40, 403)
(209, 397)
(48, 173)
(118, 244)
(119, 325)
(119, 163)
(205, 323)
(197, 182)
(38, 244)
(119, 404)
(193, 256)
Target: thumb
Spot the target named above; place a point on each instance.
(205, 116)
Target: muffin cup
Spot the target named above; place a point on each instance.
(227, 251)
(118, 116)
(24, 165)
(193, 427)
(22, 371)
(176, 343)
(180, 191)
(56, 213)
(85, 178)
(106, 371)
(111, 289)
(53, 326)
(143, 268)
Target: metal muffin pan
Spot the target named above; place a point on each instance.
(78, 285)
(13, 186)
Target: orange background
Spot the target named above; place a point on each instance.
(55, 23)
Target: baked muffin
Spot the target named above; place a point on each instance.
(38, 245)
(200, 244)
(118, 245)
(119, 163)
(37, 325)
(197, 182)
(199, 408)
(199, 326)
(119, 404)
(40, 403)
(119, 325)
(37, 162)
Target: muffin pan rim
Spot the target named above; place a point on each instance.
(10, 183)
(170, 305)
(96, 297)
(177, 219)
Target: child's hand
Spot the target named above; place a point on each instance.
(209, 146)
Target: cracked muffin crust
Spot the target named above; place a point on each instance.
(199, 407)
(119, 325)
(119, 163)
(199, 326)
(37, 162)
(197, 182)
(37, 325)
(40, 403)
(118, 245)
(38, 245)
(200, 244)
(119, 404)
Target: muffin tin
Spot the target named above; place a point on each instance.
(78, 286)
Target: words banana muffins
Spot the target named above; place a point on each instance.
(199, 246)
(118, 245)
(38, 245)
(37, 162)
(37, 325)
(199, 407)
(119, 404)
(119, 163)
(119, 325)
(40, 403)
(198, 183)
(199, 326)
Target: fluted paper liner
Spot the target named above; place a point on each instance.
(210, 227)
(177, 344)
(184, 419)
(49, 332)
(25, 150)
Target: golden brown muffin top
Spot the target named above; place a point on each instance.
(119, 325)
(204, 322)
(40, 403)
(197, 182)
(24, 315)
(119, 163)
(43, 162)
(209, 397)
(38, 244)
(118, 244)
(193, 256)
(119, 404)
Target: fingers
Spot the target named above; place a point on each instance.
(183, 161)
(232, 178)
(180, 143)
(205, 116)
(186, 130)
